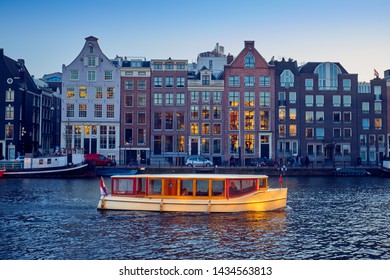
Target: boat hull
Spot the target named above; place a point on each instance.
(84, 170)
(268, 200)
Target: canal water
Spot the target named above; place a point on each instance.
(326, 218)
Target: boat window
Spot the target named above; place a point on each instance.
(49, 161)
(186, 187)
(123, 186)
(155, 187)
(41, 161)
(240, 187)
(202, 187)
(218, 188)
(262, 183)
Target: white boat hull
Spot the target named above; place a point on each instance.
(268, 200)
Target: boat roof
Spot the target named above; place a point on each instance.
(193, 176)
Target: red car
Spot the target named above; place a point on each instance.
(100, 160)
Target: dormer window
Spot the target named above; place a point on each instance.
(206, 79)
(287, 79)
(249, 61)
(90, 45)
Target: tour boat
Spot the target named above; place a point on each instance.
(192, 193)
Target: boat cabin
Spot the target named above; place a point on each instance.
(188, 185)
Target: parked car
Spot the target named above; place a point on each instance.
(100, 160)
(263, 162)
(198, 161)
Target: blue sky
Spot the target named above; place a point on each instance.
(48, 34)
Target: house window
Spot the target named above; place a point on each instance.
(128, 117)
(205, 96)
(347, 100)
(91, 76)
(234, 81)
(82, 110)
(336, 117)
(169, 99)
(205, 128)
(249, 120)
(319, 101)
(180, 99)
(110, 111)
(234, 98)
(194, 128)
(265, 99)
(309, 100)
(69, 110)
(180, 121)
(141, 85)
(9, 131)
(194, 96)
(141, 100)
(217, 129)
(217, 146)
(264, 120)
(365, 107)
(309, 85)
(157, 82)
(347, 85)
(129, 85)
(249, 99)
(10, 95)
(110, 92)
(206, 112)
(157, 120)
(287, 79)
(217, 96)
(336, 100)
(205, 146)
(141, 117)
(99, 92)
(98, 110)
(103, 137)
(293, 114)
(157, 99)
(205, 80)
(249, 61)
(249, 81)
(366, 124)
(194, 112)
(180, 82)
(217, 112)
(378, 123)
(74, 75)
(168, 81)
(9, 112)
(83, 92)
(293, 97)
(265, 81)
(249, 140)
(293, 130)
(69, 93)
(309, 116)
(129, 100)
(168, 120)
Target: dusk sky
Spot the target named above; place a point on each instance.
(47, 34)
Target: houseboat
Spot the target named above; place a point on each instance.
(192, 193)
(55, 166)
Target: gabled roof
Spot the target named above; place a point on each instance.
(19, 73)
